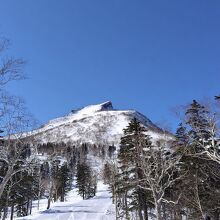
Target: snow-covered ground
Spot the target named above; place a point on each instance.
(75, 208)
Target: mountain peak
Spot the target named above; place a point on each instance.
(106, 106)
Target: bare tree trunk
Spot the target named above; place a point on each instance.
(48, 202)
(198, 198)
(30, 207)
(38, 202)
(56, 195)
(62, 195)
(12, 212)
(158, 213)
(158, 209)
(140, 205)
(5, 213)
(50, 195)
(164, 212)
(116, 206)
(6, 205)
(126, 207)
(145, 208)
(5, 180)
(39, 192)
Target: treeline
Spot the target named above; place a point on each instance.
(48, 174)
(79, 151)
(50, 179)
(175, 178)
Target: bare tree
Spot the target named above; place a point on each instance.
(158, 175)
(14, 146)
(14, 120)
(10, 68)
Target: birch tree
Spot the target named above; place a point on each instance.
(14, 119)
(159, 168)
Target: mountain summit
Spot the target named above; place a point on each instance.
(94, 124)
(105, 106)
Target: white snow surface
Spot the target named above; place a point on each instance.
(94, 124)
(75, 208)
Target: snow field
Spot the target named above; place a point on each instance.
(75, 208)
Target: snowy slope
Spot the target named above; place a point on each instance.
(100, 124)
(98, 208)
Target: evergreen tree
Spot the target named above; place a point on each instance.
(181, 135)
(109, 178)
(202, 179)
(85, 181)
(197, 120)
(64, 179)
(130, 177)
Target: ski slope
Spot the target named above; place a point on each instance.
(98, 208)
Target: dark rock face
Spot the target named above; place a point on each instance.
(107, 106)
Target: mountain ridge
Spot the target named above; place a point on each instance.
(94, 124)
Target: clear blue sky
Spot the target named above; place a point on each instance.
(148, 55)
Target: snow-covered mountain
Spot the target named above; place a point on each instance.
(99, 124)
